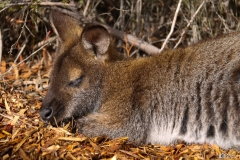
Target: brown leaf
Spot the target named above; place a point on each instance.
(23, 155)
(130, 153)
(2, 136)
(114, 147)
(3, 67)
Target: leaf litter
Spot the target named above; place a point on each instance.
(24, 136)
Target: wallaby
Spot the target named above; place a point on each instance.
(190, 94)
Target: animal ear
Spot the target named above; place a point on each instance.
(66, 27)
(96, 39)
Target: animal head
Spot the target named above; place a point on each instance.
(75, 80)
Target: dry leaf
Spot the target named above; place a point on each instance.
(3, 67)
(73, 139)
(6, 106)
(23, 155)
(2, 136)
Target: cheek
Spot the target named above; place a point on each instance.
(69, 110)
(74, 100)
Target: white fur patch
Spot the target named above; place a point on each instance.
(161, 134)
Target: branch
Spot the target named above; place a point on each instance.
(145, 46)
(62, 4)
(11, 68)
(189, 23)
(172, 27)
(86, 8)
(222, 19)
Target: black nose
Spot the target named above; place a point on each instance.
(46, 113)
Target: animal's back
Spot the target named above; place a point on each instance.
(193, 93)
(189, 94)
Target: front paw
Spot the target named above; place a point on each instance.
(98, 125)
(89, 127)
(80, 123)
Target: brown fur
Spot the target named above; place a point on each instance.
(191, 94)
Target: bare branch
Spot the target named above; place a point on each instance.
(20, 35)
(94, 8)
(11, 68)
(139, 15)
(172, 27)
(73, 14)
(189, 23)
(20, 52)
(39, 44)
(86, 8)
(146, 47)
(121, 17)
(223, 20)
(62, 4)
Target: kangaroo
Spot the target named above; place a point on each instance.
(190, 94)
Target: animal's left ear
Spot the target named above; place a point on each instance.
(96, 41)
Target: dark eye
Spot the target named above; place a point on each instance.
(76, 82)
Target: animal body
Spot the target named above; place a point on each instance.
(190, 94)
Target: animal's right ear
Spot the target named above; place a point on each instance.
(96, 41)
(66, 27)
